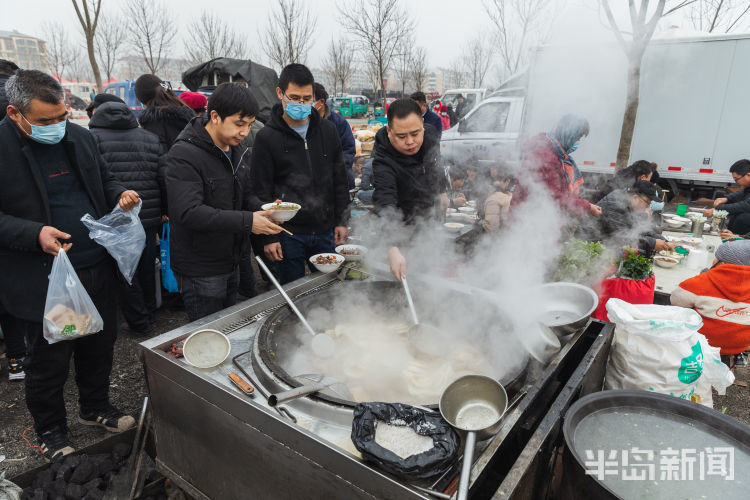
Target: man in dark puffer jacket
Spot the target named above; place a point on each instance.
(133, 156)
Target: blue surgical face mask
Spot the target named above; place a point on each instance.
(574, 147)
(657, 206)
(298, 111)
(47, 134)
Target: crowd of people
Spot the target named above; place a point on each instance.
(207, 166)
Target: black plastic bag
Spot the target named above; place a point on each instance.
(432, 462)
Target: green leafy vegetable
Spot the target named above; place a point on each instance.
(634, 266)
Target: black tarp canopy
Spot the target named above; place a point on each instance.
(260, 79)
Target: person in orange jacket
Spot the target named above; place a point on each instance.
(722, 297)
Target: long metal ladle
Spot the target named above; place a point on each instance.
(322, 344)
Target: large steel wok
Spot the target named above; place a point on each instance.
(279, 337)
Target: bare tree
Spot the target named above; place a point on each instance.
(419, 72)
(372, 70)
(210, 37)
(402, 64)
(641, 31)
(60, 52)
(152, 31)
(289, 34)
(380, 28)
(478, 60)
(455, 73)
(88, 16)
(718, 15)
(110, 37)
(338, 63)
(519, 24)
(78, 69)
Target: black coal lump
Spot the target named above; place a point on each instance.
(58, 487)
(94, 494)
(74, 491)
(72, 461)
(120, 451)
(45, 478)
(84, 473)
(106, 465)
(55, 466)
(34, 494)
(94, 484)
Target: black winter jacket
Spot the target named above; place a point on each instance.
(24, 210)
(619, 225)
(308, 172)
(411, 184)
(132, 155)
(166, 122)
(209, 208)
(3, 96)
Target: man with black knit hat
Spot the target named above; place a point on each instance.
(100, 99)
(297, 157)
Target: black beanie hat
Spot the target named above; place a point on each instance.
(145, 88)
(100, 99)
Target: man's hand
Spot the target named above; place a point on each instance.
(128, 200)
(340, 233)
(48, 240)
(726, 234)
(708, 213)
(263, 225)
(664, 245)
(273, 252)
(164, 218)
(459, 201)
(397, 262)
(595, 210)
(720, 201)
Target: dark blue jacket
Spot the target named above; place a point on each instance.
(347, 143)
(433, 119)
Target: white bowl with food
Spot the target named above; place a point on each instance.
(453, 227)
(664, 261)
(690, 215)
(282, 210)
(467, 210)
(352, 253)
(674, 223)
(672, 254)
(206, 348)
(451, 211)
(327, 262)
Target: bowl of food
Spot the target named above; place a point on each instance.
(327, 262)
(672, 254)
(451, 210)
(206, 348)
(453, 227)
(467, 210)
(282, 211)
(352, 253)
(664, 261)
(675, 222)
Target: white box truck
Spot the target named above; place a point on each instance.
(693, 118)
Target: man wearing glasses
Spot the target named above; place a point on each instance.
(297, 158)
(409, 182)
(737, 203)
(621, 222)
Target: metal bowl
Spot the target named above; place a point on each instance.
(485, 396)
(565, 307)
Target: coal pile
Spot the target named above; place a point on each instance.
(78, 477)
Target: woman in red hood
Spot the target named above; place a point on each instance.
(444, 117)
(547, 160)
(722, 297)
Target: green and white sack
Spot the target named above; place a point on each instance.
(658, 348)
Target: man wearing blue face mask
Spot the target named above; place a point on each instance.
(297, 158)
(51, 174)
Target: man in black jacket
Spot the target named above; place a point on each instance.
(297, 158)
(428, 115)
(51, 174)
(209, 201)
(133, 156)
(407, 173)
(737, 203)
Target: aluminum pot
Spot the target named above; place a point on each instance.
(565, 307)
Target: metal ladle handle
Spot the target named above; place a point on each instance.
(463, 483)
(410, 301)
(283, 294)
(284, 396)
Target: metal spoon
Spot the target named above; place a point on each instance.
(421, 336)
(322, 344)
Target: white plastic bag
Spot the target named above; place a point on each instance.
(69, 312)
(122, 234)
(658, 348)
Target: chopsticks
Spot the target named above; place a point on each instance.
(287, 232)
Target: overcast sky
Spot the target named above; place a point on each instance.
(443, 26)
